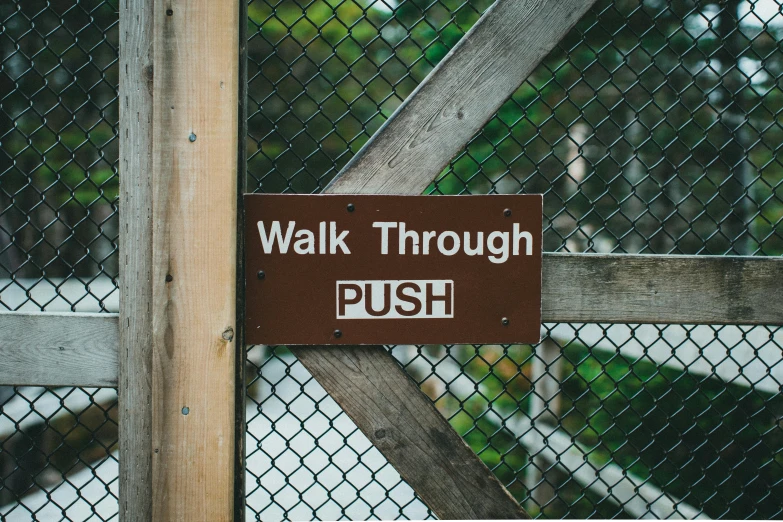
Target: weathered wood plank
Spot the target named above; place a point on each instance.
(459, 96)
(598, 288)
(410, 432)
(58, 349)
(194, 244)
(135, 214)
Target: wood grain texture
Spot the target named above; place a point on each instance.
(404, 425)
(134, 388)
(194, 224)
(459, 96)
(55, 349)
(598, 288)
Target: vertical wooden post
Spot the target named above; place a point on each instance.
(179, 242)
(135, 354)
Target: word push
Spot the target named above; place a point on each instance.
(361, 269)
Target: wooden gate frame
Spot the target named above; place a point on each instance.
(176, 352)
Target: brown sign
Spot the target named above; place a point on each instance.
(335, 269)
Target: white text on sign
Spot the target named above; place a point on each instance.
(499, 245)
(412, 299)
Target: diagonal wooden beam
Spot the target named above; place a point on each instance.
(432, 126)
(404, 425)
(459, 96)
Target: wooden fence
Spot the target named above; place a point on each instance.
(175, 350)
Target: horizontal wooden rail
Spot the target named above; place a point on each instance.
(649, 289)
(58, 349)
(75, 349)
(459, 96)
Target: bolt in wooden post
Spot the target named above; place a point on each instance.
(178, 148)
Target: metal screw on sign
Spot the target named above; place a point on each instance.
(350, 207)
(507, 212)
(261, 274)
(504, 321)
(338, 334)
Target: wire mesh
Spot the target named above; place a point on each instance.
(652, 128)
(58, 244)
(58, 223)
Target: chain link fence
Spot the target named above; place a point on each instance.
(58, 244)
(652, 128)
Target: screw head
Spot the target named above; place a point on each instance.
(350, 207)
(192, 137)
(169, 12)
(169, 278)
(507, 212)
(228, 334)
(337, 334)
(504, 321)
(261, 274)
(185, 410)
